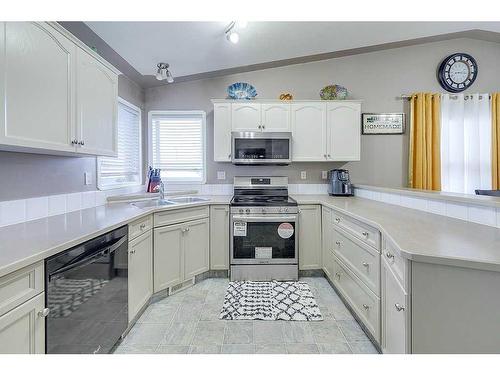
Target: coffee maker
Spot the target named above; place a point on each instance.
(339, 183)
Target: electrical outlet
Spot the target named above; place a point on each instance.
(303, 175)
(221, 175)
(324, 175)
(87, 178)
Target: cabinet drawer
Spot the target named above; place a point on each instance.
(363, 260)
(18, 287)
(396, 262)
(360, 298)
(180, 215)
(364, 232)
(139, 227)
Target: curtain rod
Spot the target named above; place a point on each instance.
(466, 97)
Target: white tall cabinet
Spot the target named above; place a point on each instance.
(321, 130)
(56, 95)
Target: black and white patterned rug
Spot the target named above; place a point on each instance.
(269, 300)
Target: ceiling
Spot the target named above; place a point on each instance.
(196, 48)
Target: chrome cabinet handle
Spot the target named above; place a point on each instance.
(142, 226)
(44, 313)
(132, 252)
(365, 306)
(329, 156)
(389, 255)
(399, 307)
(338, 243)
(324, 155)
(365, 234)
(81, 143)
(74, 142)
(338, 275)
(365, 264)
(337, 219)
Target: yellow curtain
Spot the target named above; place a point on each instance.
(424, 147)
(495, 142)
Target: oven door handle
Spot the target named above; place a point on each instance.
(289, 218)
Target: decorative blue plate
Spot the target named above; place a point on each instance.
(241, 90)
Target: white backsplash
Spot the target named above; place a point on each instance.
(464, 211)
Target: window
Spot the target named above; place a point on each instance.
(177, 145)
(125, 169)
(465, 143)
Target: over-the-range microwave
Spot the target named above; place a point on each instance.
(258, 148)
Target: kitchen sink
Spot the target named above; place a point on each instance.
(188, 199)
(153, 203)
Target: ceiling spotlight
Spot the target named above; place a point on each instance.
(164, 73)
(233, 37)
(231, 33)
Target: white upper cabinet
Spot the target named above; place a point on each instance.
(96, 106)
(222, 131)
(343, 131)
(309, 131)
(55, 96)
(38, 89)
(321, 130)
(245, 117)
(275, 117)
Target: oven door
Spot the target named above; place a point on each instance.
(261, 148)
(265, 239)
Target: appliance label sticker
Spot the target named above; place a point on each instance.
(263, 252)
(240, 229)
(285, 230)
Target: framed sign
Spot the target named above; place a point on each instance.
(383, 123)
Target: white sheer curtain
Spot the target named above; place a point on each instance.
(465, 143)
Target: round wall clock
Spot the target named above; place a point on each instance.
(457, 72)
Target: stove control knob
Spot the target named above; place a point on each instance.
(285, 209)
(247, 210)
(263, 210)
(240, 210)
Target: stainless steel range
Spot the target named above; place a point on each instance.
(264, 224)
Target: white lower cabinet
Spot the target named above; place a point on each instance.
(219, 237)
(140, 273)
(310, 237)
(361, 299)
(395, 313)
(22, 330)
(196, 248)
(327, 240)
(181, 251)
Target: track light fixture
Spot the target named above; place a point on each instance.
(231, 33)
(164, 73)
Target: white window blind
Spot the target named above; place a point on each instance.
(177, 145)
(125, 169)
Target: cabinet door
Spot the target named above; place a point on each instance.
(222, 132)
(276, 117)
(395, 312)
(37, 87)
(97, 101)
(344, 131)
(326, 239)
(22, 330)
(196, 248)
(140, 273)
(219, 237)
(168, 256)
(245, 117)
(310, 237)
(309, 131)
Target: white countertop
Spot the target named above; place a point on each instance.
(421, 236)
(26, 243)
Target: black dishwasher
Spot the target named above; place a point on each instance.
(87, 295)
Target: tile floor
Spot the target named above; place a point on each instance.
(188, 322)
